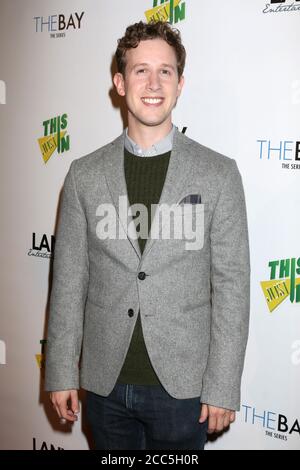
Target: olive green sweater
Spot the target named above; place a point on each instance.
(145, 177)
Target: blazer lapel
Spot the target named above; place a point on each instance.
(177, 178)
(116, 182)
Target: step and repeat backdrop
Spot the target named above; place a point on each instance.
(241, 98)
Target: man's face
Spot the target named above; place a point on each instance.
(150, 85)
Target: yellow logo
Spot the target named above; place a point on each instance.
(49, 144)
(277, 291)
(40, 359)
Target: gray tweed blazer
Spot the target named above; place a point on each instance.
(194, 303)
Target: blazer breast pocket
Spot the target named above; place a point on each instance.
(189, 224)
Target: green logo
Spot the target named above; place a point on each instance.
(55, 137)
(283, 282)
(172, 11)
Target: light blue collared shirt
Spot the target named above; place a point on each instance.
(163, 146)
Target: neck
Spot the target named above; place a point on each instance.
(146, 136)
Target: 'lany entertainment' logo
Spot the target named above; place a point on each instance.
(283, 282)
(284, 6)
(54, 137)
(172, 11)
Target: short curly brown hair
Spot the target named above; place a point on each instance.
(154, 30)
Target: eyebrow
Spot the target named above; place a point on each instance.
(144, 64)
(168, 66)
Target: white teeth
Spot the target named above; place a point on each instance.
(152, 100)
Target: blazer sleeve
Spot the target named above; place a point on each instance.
(69, 290)
(230, 295)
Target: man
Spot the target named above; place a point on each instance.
(160, 324)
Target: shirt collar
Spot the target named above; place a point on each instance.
(163, 146)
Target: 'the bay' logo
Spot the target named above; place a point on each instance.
(284, 6)
(283, 282)
(60, 23)
(285, 151)
(276, 425)
(172, 11)
(54, 137)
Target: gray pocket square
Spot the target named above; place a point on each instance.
(191, 199)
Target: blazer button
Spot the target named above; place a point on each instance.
(142, 275)
(130, 312)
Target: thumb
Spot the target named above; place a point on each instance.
(204, 413)
(74, 401)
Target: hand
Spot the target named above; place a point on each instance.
(218, 418)
(60, 404)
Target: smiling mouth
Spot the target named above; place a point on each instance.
(152, 101)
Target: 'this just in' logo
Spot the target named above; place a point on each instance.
(281, 6)
(285, 151)
(283, 282)
(41, 248)
(172, 11)
(276, 425)
(2, 92)
(60, 23)
(40, 358)
(55, 137)
(44, 446)
(2, 352)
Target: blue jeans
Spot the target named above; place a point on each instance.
(144, 417)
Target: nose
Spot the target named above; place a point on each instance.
(153, 81)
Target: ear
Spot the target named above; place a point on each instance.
(119, 83)
(180, 85)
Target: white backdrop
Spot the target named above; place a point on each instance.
(241, 98)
